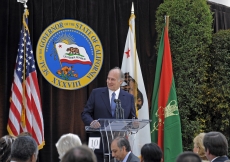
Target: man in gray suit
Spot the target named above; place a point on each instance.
(121, 150)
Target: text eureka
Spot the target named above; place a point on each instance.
(97, 58)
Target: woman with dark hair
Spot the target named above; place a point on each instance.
(5, 147)
(151, 152)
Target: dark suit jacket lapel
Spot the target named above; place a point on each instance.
(122, 96)
(105, 98)
(129, 158)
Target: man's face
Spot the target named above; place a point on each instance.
(113, 80)
(132, 87)
(118, 153)
(139, 103)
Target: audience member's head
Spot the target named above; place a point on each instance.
(215, 144)
(188, 157)
(199, 147)
(24, 149)
(5, 147)
(67, 142)
(151, 152)
(79, 154)
(120, 147)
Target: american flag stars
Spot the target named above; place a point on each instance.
(25, 44)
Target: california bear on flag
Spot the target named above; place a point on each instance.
(72, 54)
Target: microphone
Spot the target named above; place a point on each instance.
(119, 110)
(116, 101)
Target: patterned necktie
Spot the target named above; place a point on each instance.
(112, 103)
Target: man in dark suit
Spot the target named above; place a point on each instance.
(101, 104)
(216, 147)
(121, 150)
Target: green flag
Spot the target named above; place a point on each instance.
(165, 125)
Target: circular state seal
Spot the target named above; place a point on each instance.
(69, 54)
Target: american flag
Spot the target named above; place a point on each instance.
(25, 114)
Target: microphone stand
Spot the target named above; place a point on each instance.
(116, 109)
(119, 110)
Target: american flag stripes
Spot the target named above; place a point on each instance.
(25, 114)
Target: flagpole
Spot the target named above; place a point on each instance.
(132, 26)
(167, 21)
(23, 116)
(25, 15)
(57, 54)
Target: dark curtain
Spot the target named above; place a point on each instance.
(221, 15)
(109, 19)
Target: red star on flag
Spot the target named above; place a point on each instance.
(127, 53)
(60, 46)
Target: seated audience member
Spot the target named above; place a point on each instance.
(24, 149)
(121, 150)
(188, 157)
(216, 147)
(151, 152)
(66, 142)
(199, 147)
(79, 154)
(5, 147)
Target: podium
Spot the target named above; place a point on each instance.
(111, 128)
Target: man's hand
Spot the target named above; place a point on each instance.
(95, 124)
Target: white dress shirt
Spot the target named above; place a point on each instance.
(117, 92)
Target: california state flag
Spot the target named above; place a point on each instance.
(134, 84)
(72, 54)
